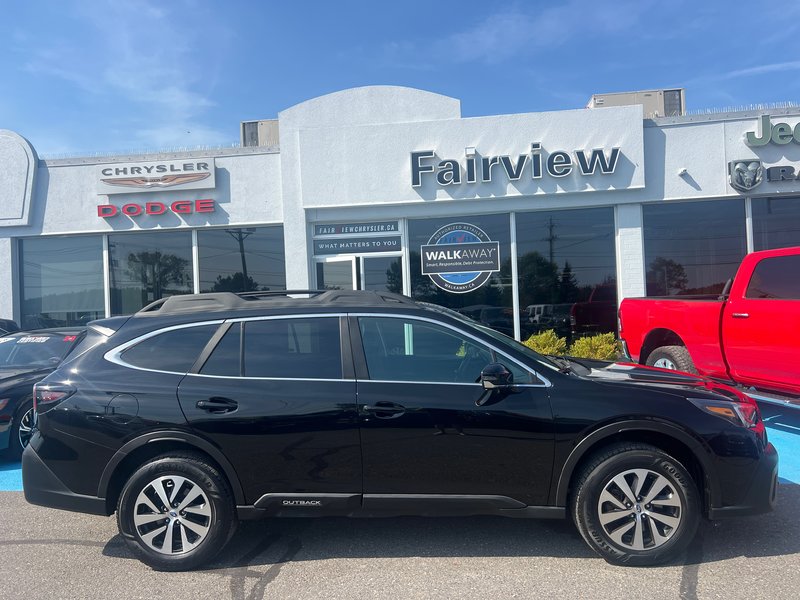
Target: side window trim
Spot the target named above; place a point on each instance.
(362, 373)
(115, 354)
(211, 346)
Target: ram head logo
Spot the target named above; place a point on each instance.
(745, 174)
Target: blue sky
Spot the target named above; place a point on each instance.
(80, 77)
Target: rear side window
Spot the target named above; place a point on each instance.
(776, 278)
(293, 348)
(174, 351)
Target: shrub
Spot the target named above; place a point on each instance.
(602, 346)
(547, 342)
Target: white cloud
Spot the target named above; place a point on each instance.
(145, 60)
(523, 30)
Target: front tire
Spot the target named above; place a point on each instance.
(675, 358)
(176, 512)
(635, 505)
(21, 429)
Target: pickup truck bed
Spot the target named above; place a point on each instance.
(749, 336)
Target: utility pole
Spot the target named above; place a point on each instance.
(240, 235)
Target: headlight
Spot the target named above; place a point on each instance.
(738, 413)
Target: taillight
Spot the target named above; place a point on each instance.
(48, 395)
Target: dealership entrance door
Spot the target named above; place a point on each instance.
(364, 272)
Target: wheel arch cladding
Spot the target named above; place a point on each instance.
(669, 438)
(140, 450)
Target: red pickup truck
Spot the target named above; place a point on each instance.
(749, 335)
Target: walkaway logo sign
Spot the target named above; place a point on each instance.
(460, 258)
(128, 178)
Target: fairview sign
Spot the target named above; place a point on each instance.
(558, 163)
(128, 178)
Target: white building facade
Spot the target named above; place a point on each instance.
(524, 222)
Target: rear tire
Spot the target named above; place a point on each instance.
(675, 358)
(635, 505)
(176, 512)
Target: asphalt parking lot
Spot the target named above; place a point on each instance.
(53, 554)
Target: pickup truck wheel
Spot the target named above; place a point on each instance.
(635, 505)
(675, 358)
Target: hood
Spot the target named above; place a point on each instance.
(668, 381)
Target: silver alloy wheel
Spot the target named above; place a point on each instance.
(25, 430)
(640, 509)
(172, 515)
(665, 363)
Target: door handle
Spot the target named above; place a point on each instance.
(740, 315)
(217, 405)
(385, 410)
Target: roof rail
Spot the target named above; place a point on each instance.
(273, 293)
(187, 303)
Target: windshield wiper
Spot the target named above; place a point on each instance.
(563, 364)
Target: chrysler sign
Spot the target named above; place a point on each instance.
(159, 176)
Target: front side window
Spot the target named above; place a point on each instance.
(776, 278)
(410, 350)
(174, 351)
(293, 348)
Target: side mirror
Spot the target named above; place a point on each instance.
(496, 376)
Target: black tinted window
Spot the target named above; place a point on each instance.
(776, 278)
(34, 349)
(226, 357)
(408, 350)
(174, 350)
(293, 348)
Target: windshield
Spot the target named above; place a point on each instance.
(34, 349)
(500, 337)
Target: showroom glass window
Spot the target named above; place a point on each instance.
(491, 302)
(145, 267)
(776, 223)
(567, 265)
(62, 280)
(242, 259)
(692, 247)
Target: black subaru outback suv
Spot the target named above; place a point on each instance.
(201, 411)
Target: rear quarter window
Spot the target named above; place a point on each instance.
(174, 351)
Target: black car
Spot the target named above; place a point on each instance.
(26, 358)
(201, 411)
(8, 326)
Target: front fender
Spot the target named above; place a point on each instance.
(596, 437)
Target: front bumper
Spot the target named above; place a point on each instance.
(761, 496)
(42, 487)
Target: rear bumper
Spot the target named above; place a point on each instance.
(42, 487)
(761, 496)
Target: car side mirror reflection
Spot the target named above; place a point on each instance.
(496, 376)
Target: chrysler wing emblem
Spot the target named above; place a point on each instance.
(745, 174)
(156, 182)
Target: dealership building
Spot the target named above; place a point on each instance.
(523, 221)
